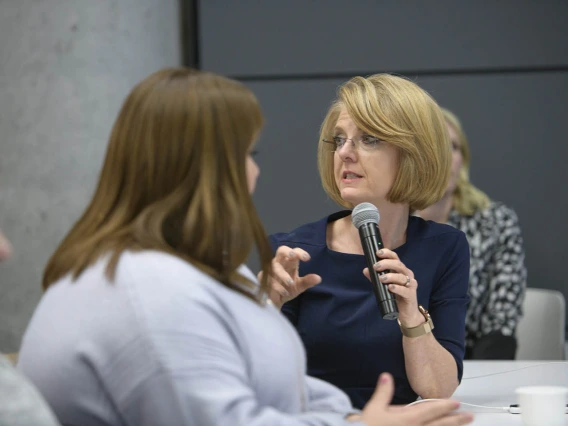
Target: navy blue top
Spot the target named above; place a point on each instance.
(347, 342)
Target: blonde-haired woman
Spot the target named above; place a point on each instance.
(383, 141)
(149, 316)
(498, 276)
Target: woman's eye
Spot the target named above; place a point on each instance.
(370, 140)
(339, 140)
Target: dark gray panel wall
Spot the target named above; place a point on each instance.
(256, 38)
(501, 66)
(515, 135)
(516, 125)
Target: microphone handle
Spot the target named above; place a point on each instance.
(372, 242)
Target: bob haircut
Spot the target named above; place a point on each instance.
(467, 199)
(400, 113)
(174, 180)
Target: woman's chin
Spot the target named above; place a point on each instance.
(353, 197)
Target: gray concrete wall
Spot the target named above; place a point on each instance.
(65, 68)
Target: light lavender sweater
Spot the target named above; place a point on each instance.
(165, 344)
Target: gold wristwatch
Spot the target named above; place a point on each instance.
(421, 329)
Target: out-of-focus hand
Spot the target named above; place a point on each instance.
(5, 247)
(378, 412)
(401, 282)
(285, 282)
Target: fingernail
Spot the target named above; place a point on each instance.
(377, 265)
(305, 257)
(384, 378)
(291, 255)
(392, 286)
(290, 282)
(456, 404)
(383, 277)
(285, 293)
(380, 252)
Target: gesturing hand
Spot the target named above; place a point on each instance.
(285, 282)
(378, 412)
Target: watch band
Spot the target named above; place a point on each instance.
(421, 329)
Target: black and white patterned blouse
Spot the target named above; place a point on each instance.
(498, 276)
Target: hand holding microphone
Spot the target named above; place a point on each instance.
(394, 285)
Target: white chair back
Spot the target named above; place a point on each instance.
(541, 331)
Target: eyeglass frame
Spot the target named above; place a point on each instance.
(356, 144)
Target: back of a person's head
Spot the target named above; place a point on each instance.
(467, 199)
(399, 112)
(173, 178)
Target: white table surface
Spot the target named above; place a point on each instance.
(498, 390)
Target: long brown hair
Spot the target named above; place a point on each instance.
(174, 180)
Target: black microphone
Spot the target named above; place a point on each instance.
(365, 217)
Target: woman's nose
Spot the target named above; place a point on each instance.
(348, 150)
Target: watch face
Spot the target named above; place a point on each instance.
(424, 312)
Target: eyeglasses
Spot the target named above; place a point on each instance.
(365, 142)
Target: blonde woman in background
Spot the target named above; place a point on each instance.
(498, 276)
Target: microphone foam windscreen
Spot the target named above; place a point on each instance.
(365, 213)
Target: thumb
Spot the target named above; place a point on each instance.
(308, 281)
(375, 410)
(384, 391)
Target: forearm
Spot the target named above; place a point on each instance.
(324, 397)
(431, 369)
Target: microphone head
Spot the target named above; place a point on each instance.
(365, 213)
